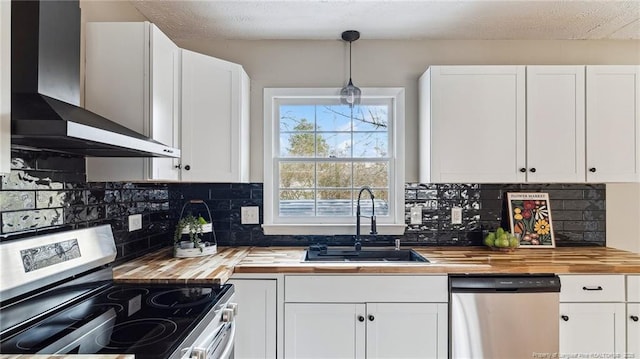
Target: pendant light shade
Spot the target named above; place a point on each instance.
(350, 94)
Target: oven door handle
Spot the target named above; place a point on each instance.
(228, 350)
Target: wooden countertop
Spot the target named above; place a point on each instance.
(161, 267)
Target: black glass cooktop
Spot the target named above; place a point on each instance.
(149, 321)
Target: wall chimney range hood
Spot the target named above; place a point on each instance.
(45, 89)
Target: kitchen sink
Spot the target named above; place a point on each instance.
(349, 254)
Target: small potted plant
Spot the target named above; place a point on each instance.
(189, 235)
(189, 226)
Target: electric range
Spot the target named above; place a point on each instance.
(87, 313)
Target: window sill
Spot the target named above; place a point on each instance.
(330, 229)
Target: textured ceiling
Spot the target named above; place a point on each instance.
(395, 19)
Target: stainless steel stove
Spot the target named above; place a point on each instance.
(61, 300)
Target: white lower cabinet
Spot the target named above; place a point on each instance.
(592, 328)
(633, 330)
(256, 319)
(592, 315)
(354, 318)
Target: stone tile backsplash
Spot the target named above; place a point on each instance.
(46, 192)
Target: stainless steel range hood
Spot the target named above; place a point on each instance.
(45, 89)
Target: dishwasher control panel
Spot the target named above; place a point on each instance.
(507, 283)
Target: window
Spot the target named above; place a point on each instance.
(320, 153)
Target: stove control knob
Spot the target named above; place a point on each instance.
(234, 307)
(227, 315)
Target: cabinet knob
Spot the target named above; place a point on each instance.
(523, 170)
(634, 318)
(371, 318)
(178, 166)
(565, 318)
(592, 169)
(532, 170)
(187, 167)
(361, 318)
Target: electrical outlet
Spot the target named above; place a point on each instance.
(249, 215)
(135, 222)
(456, 215)
(416, 215)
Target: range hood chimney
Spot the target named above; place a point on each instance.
(45, 89)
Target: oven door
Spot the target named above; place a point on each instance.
(217, 341)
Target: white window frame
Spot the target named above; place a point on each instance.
(393, 224)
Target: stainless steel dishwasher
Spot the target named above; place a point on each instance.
(503, 316)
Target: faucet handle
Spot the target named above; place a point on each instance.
(373, 225)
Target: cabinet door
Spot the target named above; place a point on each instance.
(212, 120)
(131, 78)
(324, 331)
(633, 330)
(256, 319)
(165, 96)
(555, 124)
(5, 86)
(477, 124)
(592, 328)
(406, 330)
(613, 123)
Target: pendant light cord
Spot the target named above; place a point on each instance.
(350, 42)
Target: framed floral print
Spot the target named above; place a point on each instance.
(530, 218)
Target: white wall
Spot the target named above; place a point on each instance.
(623, 216)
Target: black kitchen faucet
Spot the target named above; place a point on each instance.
(358, 245)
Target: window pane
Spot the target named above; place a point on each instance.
(334, 144)
(333, 118)
(297, 117)
(334, 174)
(370, 118)
(297, 175)
(381, 202)
(334, 203)
(372, 174)
(370, 144)
(297, 203)
(297, 144)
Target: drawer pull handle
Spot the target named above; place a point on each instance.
(592, 288)
(565, 318)
(361, 318)
(634, 318)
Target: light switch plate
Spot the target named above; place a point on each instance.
(416, 215)
(250, 215)
(135, 222)
(456, 215)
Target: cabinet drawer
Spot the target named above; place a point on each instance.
(360, 289)
(633, 288)
(592, 288)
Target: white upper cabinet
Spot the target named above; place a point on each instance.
(613, 123)
(472, 124)
(132, 78)
(555, 124)
(5, 86)
(577, 127)
(215, 120)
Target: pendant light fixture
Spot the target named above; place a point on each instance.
(350, 94)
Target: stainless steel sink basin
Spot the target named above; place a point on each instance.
(348, 254)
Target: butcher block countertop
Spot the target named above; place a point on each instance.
(161, 267)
